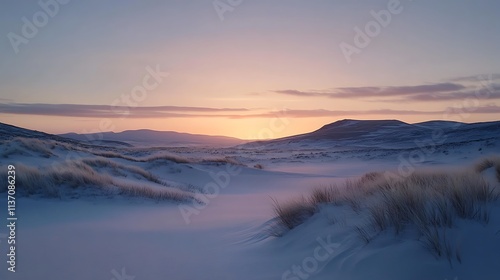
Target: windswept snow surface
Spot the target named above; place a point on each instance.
(120, 237)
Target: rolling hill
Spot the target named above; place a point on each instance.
(389, 133)
(145, 137)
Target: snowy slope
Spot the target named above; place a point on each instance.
(86, 234)
(389, 134)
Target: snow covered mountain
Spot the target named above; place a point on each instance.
(145, 137)
(390, 134)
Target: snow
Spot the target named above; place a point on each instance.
(102, 237)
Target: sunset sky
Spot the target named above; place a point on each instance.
(256, 69)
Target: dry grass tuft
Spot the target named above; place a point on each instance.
(151, 158)
(331, 194)
(493, 161)
(291, 214)
(76, 178)
(117, 168)
(428, 202)
(20, 145)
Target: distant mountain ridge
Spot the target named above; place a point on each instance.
(153, 137)
(387, 133)
(343, 133)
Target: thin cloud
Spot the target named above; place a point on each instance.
(103, 111)
(370, 92)
(477, 78)
(449, 91)
(490, 109)
(301, 93)
(106, 111)
(397, 91)
(485, 93)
